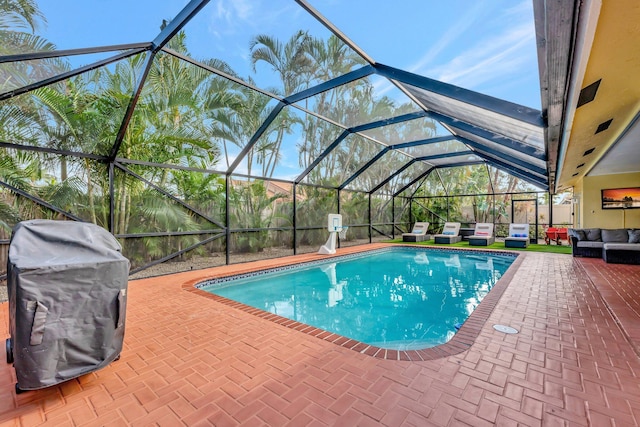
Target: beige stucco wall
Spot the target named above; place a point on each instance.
(578, 211)
(590, 213)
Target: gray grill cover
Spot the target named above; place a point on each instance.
(67, 286)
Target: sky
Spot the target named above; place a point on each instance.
(487, 46)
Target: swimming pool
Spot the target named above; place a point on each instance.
(399, 298)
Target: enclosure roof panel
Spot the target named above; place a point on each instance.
(280, 91)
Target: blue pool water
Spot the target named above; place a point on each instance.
(401, 298)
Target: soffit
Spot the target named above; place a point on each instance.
(615, 60)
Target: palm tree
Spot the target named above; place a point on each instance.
(21, 120)
(19, 20)
(293, 65)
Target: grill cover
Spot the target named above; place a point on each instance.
(67, 288)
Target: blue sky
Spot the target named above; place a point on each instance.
(487, 46)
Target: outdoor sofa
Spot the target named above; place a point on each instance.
(618, 246)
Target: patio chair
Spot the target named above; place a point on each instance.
(450, 233)
(518, 236)
(483, 235)
(553, 234)
(418, 233)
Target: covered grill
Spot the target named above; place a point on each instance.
(67, 288)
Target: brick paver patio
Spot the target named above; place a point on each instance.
(190, 360)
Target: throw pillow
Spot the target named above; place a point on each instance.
(580, 235)
(482, 233)
(448, 233)
(618, 235)
(593, 234)
(416, 231)
(634, 236)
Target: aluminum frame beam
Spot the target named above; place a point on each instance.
(488, 135)
(390, 121)
(176, 24)
(427, 141)
(40, 202)
(393, 175)
(72, 52)
(477, 99)
(322, 155)
(178, 253)
(526, 176)
(256, 136)
(413, 181)
(68, 74)
(356, 129)
(133, 101)
(502, 156)
(446, 155)
(324, 21)
(347, 78)
(365, 167)
(35, 148)
(168, 195)
(291, 99)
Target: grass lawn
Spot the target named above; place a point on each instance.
(533, 247)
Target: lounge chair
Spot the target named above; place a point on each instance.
(518, 236)
(450, 233)
(483, 235)
(418, 233)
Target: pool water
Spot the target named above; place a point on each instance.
(400, 298)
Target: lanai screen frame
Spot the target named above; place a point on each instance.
(482, 141)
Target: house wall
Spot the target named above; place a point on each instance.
(578, 205)
(589, 196)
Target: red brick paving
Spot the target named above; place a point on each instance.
(189, 360)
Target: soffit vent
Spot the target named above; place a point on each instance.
(588, 93)
(589, 151)
(603, 126)
(575, 174)
(580, 165)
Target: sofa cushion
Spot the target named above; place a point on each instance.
(618, 235)
(579, 234)
(622, 247)
(634, 236)
(589, 244)
(593, 234)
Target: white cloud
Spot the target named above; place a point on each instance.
(490, 59)
(453, 33)
(500, 57)
(493, 60)
(230, 17)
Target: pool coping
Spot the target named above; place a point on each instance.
(461, 341)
